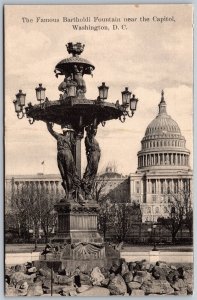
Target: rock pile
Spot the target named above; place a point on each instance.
(137, 278)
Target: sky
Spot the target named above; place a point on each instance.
(147, 57)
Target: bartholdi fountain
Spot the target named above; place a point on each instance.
(77, 240)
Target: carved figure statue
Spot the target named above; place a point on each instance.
(78, 77)
(66, 163)
(93, 154)
(66, 85)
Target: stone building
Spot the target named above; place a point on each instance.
(50, 182)
(113, 184)
(163, 166)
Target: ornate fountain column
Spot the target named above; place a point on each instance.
(77, 237)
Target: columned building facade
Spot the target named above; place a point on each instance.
(163, 166)
(113, 184)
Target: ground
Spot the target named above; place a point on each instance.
(18, 248)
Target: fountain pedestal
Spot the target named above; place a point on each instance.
(77, 223)
(77, 242)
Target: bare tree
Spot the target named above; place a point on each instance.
(33, 207)
(125, 215)
(180, 212)
(105, 218)
(117, 214)
(100, 195)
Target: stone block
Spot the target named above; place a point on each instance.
(131, 266)
(22, 288)
(105, 282)
(18, 276)
(138, 278)
(173, 267)
(85, 279)
(156, 295)
(124, 268)
(11, 291)
(178, 285)
(157, 287)
(67, 290)
(83, 288)
(189, 289)
(133, 285)
(73, 293)
(35, 290)
(47, 295)
(96, 276)
(20, 268)
(31, 270)
(63, 279)
(141, 273)
(137, 293)
(188, 276)
(159, 272)
(172, 275)
(9, 271)
(181, 292)
(95, 292)
(117, 286)
(128, 277)
(46, 272)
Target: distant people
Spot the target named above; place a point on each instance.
(47, 249)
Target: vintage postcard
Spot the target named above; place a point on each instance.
(98, 150)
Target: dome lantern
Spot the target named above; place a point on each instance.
(162, 104)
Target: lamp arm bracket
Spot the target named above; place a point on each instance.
(122, 118)
(20, 116)
(31, 121)
(130, 115)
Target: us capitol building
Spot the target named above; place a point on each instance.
(163, 169)
(163, 166)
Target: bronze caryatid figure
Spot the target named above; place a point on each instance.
(93, 154)
(66, 163)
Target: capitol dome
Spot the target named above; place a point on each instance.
(163, 145)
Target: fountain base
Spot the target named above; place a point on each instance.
(78, 242)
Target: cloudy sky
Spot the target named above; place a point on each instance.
(147, 57)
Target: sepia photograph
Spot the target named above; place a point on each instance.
(98, 150)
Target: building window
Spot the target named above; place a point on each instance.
(156, 159)
(154, 198)
(162, 186)
(148, 210)
(137, 187)
(175, 186)
(165, 210)
(153, 182)
(168, 187)
(157, 210)
(186, 186)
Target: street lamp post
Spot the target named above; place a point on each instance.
(154, 237)
(173, 213)
(150, 232)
